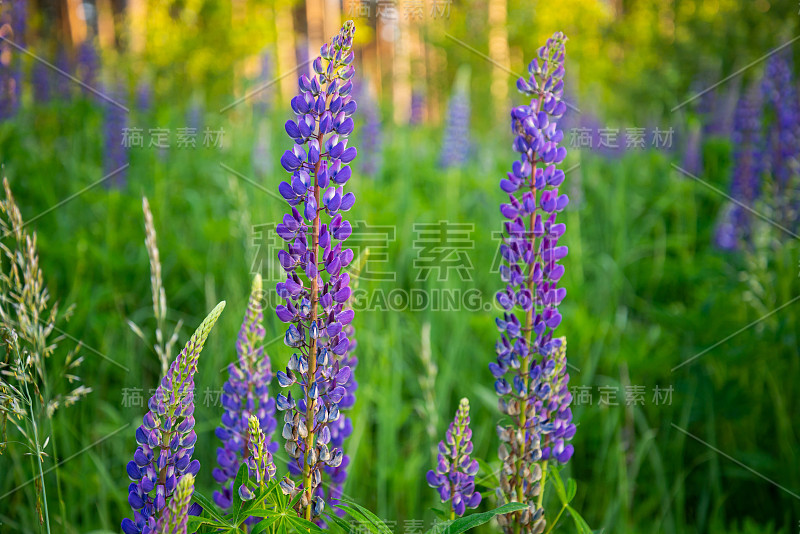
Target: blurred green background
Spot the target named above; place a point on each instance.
(715, 451)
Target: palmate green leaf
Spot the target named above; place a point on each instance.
(301, 524)
(242, 477)
(580, 523)
(197, 524)
(264, 524)
(463, 524)
(558, 483)
(371, 520)
(489, 478)
(572, 489)
(209, 508)
(339, 522)
(441, 514)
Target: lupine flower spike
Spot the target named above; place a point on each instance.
(316, 303)
(245, 394)
(167, 437)
(259, 460)
(455, 471)
(733, 229)
(175, 519)
(528, 358)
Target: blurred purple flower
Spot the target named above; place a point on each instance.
(115, 122)
(457, 144)
(733, 226)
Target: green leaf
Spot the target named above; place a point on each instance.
(380, 526)
(441, 514)
(580, 523)
(572, 489)
(242, 477)
(463, 524)
(489, 478)
(194, 523)
(209, 508)
(558, 484)
(264, 524)
(339, 522)
(303, 525)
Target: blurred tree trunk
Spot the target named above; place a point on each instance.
(401, 70)
(105, 23)
(76, 21)
(137, 19)
(498, 51)
(332, 22)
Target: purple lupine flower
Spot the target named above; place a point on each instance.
(166, 438)
(245, 394)
(454, 476)
(115, 150)
(144, 96)
(456, 146)
(176, 517)
(316, 303)
(41, 78)
(15, 19)
(783, 136)
(371, 135)
(417, 107)
(88, 64)
(260, 466)
(63, 85)
(532, 271)
(733, 227)
(693, 150)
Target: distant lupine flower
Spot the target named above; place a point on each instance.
(261, 101)
(14, 18)
(144, 97)
(527, 354)
(88, 63)
(41, 77)
(734, 224)
(371, 135)
(454, 476)
(245, 395)
(693, 151)
(260, 466)
(176, 517)
(783, 137)
(456, 146)
(115, 121)
(63, 85)
(417, 107)
(317, 313)
(166, 439)
(194, 115)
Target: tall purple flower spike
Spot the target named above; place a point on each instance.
(245, 393)
(454, 476)
(527, 355)
(167, 437)
(733, 228)
(317, 290)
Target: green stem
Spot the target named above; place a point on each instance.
(540, 500)
(553, 525)
(38, 455)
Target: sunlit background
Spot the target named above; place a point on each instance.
(682, 278)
